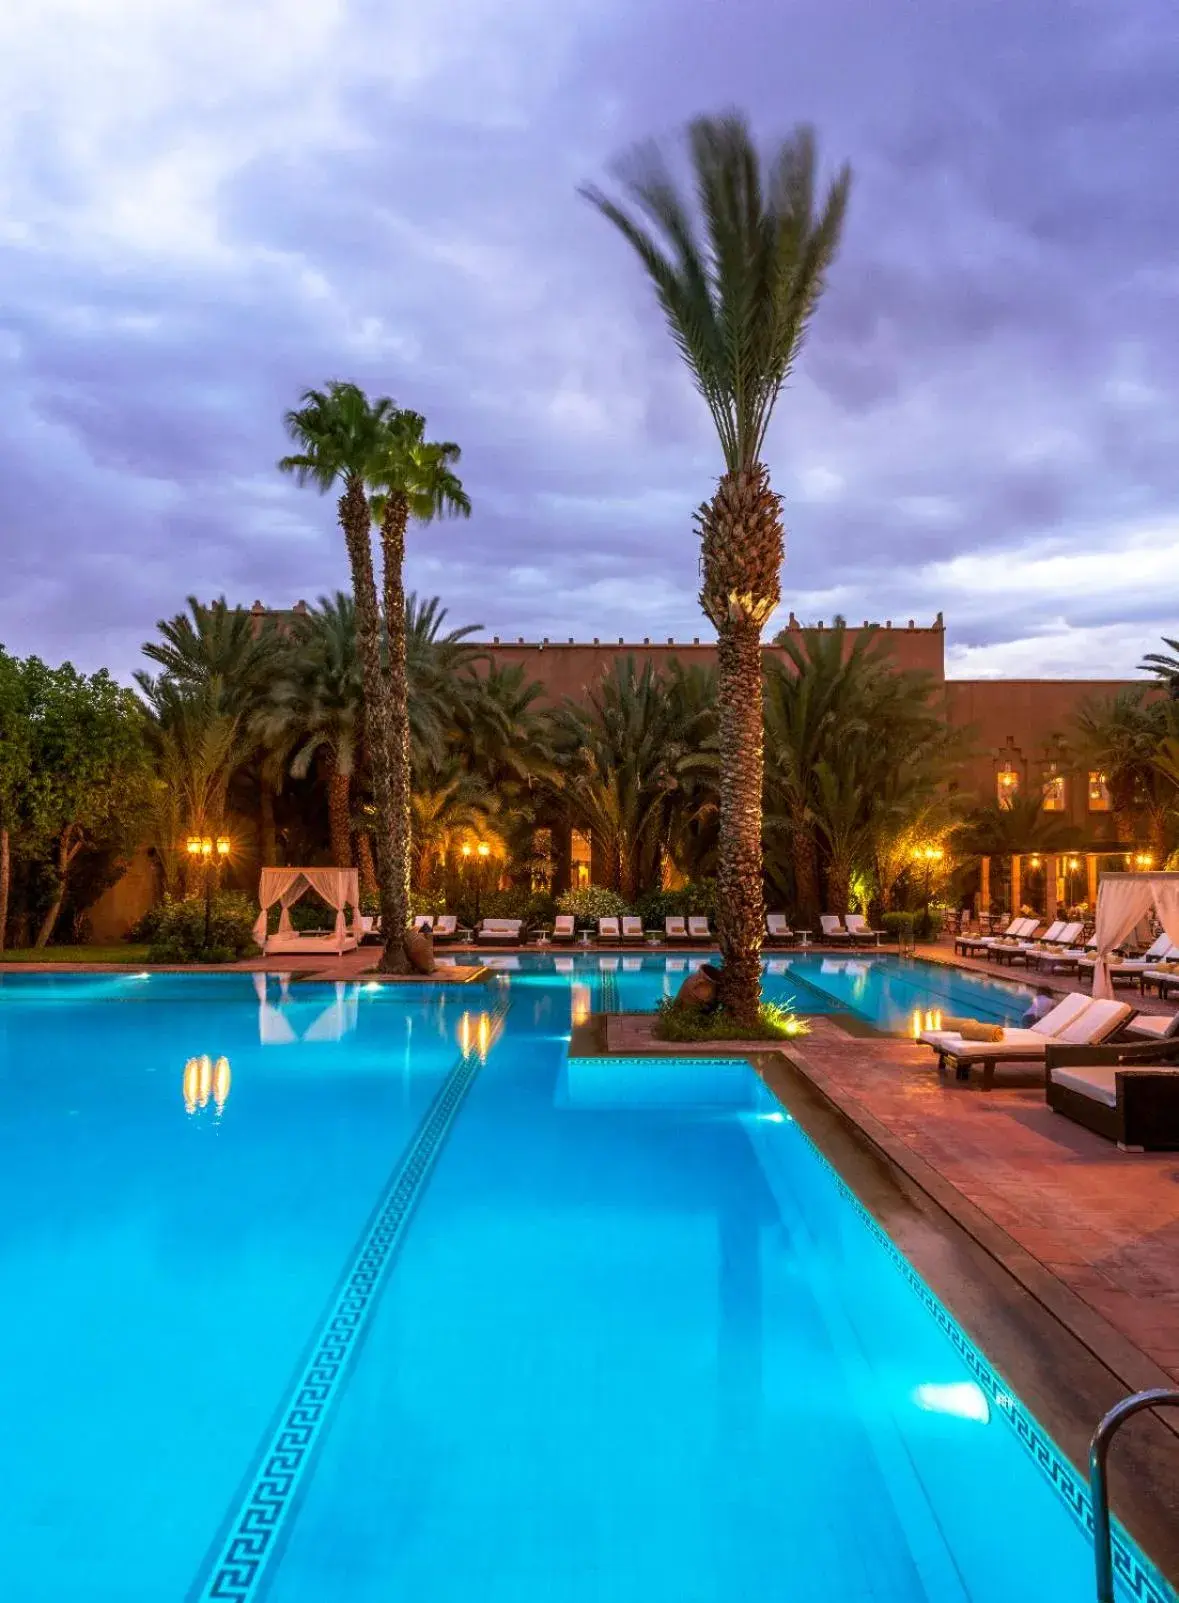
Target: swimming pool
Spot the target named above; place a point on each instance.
(327, 1292)
(893, 993)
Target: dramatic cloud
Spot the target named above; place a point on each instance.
(205, 207)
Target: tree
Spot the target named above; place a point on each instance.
(343, 441)
(316, 709)
(629, 754)
(88, 773)
(411, 477)
(1166, 668)
(737, 277)
(15, 769)
(1122, 735)
(1015, 828)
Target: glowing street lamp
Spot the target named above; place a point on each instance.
(210, 851)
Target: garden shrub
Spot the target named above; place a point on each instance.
(678, 1022)
(697, 896)
(179, 930)
(591, 904)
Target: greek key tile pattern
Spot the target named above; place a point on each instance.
(1141, 1580)
(240, 1561)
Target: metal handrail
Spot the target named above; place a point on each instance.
(1099, 1481)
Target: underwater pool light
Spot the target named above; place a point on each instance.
(962, 1398)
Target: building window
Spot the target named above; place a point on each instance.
(1007, 786)
(1053, 791)
(580, 856)
(1099, 801)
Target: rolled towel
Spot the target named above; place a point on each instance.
(972, 1030)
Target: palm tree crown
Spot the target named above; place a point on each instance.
(739, 283)
(341, 435)
(418, 471)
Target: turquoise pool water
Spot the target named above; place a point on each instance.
(317, 1293)
(886, 990)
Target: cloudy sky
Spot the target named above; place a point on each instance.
(207, 205)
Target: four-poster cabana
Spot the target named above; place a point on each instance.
(339, 888)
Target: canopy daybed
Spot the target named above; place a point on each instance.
(339, 888)
(1122, 900)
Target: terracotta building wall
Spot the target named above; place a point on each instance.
(1020, 724)
(569, 667)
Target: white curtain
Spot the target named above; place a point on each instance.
(1122, 900)
(339, 887)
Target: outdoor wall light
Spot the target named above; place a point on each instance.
(484, 849)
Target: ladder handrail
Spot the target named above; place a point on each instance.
(1099, 1480)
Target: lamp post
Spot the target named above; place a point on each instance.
(928, 856)
(1071, 864)
(211, 852)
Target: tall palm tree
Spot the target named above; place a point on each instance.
(316, 710)
(343, 441)
(1121, 735)
(412, 478)
(738, 276)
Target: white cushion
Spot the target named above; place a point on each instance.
(1152, 1025)
(1066, 1012)
(1098, 1083)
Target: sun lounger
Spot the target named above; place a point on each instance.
(967, 943)
(608, 930)
(564, 927)
(1129, 969)
(1056, 937)
(1076, 1020)
(632, 928)
(1128, 1093)
(698, 929)
(1163, 976)
(675, 928)
(778, 931)
(833, 929)
(857, 928)
(1153, 1027)
(500, 929)
(1064, 960)
(424, 921)
(446, 927)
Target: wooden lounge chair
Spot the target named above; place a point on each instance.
(632, 927)
(674, 927)
(1076, 1020)
(857, 928)
(608, 929)
(1128, 1093)
(565, 927)
(1129, 970)
(833, 929)
(778, 931)
(698, 929)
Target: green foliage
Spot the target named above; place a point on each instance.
(591, 904)
(680, 1022)
(128, 952)
(738, 274)
(697, 896)
(178, 930)
(923, 925)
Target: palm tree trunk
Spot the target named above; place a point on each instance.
(364, 858)
(356, 523)
(393, 526)
(5, 881)
(340, 817)
(805, 854)
(740, 900)
(267, 834)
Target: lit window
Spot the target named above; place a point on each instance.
(1053, 792)
(581, 860)
(1099, 801)
(1007, 786)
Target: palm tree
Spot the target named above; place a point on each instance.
(738, 277)
(1122, 735)
(629, 752)
(343, 441)
(1167, 668)
(316, 709)
(225, 657)
(411, 477)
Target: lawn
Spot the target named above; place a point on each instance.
(122, 953)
